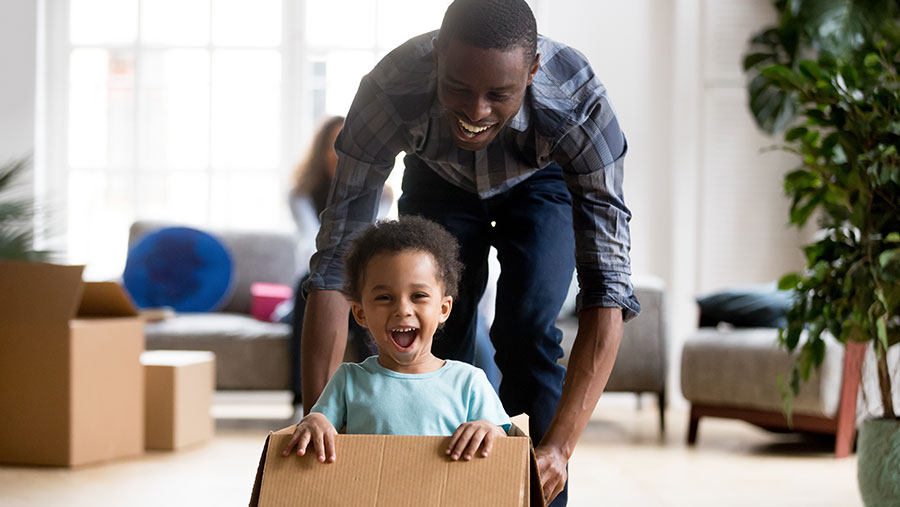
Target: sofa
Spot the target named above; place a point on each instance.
(254, 355)
(250, 354)
(642, 362)
(734, 373)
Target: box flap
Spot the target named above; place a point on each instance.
(393, 470)
(105, 299)
(38, 292)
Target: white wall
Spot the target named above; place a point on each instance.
(18, 28)
(707, 204)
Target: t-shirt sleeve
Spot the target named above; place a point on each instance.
(333, 401)
(483, 401)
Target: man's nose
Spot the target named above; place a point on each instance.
(477, 109)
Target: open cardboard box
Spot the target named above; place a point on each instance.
(385, 470)
(71, 383)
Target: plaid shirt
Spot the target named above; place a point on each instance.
(565, 118)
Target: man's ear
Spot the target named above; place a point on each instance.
(534, 68)
(358, 314)
(446, 306)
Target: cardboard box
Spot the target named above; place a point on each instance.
(71, 384)
(384, 470)
(179, 386)
(265, 297)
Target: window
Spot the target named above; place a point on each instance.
(196, 111)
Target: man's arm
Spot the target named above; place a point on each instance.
(590, 363)
(322, 343)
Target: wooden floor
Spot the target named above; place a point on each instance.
(621, 460)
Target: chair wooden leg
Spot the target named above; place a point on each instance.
(661, 400)
(692, 427)
(854, 355)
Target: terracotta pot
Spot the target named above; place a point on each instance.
(878, 466)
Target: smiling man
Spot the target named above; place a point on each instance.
(510, 142)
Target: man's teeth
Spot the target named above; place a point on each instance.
(471, 130)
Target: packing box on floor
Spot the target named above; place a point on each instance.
(179, 386)
(397, 470)
(71, 382)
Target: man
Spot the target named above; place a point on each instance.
(511, 142)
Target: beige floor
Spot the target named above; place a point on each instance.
(620, 460)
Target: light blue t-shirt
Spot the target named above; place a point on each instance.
(370, 399)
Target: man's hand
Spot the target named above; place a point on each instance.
(552, 467)
(470, 436)
(314, 428)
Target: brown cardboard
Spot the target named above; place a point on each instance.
(382, 470)
(179, 386)
(71, 385)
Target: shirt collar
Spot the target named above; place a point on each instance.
(521, 119)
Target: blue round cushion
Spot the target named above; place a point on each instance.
(179, 267)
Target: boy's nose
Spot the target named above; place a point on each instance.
(403, 308)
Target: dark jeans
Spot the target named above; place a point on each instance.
(530, 225)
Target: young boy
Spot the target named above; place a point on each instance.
(401, 277)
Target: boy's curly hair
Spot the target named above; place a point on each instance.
(396, 236)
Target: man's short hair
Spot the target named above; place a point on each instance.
(491, 24)
(409, 233)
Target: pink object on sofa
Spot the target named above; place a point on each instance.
(264, 297)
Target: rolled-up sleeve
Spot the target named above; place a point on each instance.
(367, 146)
(592, 155)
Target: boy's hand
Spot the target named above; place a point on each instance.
(314, 427)
(470, 436)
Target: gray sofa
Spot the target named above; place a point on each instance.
(642, 363)
(250, 354)
(255, 355)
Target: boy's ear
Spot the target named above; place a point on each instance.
(358, 314)
(446, 306)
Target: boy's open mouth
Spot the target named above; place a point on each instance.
(403, 337)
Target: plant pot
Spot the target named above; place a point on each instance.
(878, 465)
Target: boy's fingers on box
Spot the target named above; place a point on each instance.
(320, 446)
(303, 443)
(474, 443)
(330, 453)
(488, 444)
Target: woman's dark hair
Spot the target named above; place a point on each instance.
(396, 236)
(311, 176)
(490, 24)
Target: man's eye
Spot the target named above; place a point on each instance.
(501, 97)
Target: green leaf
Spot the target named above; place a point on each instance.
(795, 133)
(893, 237)
(889, 256)
(789, 281)
(754, 59)
(871, 60)
(881, 328)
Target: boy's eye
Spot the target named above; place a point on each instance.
(420, 295)
(382, 297)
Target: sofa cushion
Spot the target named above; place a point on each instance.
(258, 257)
(754, 306)
(740, 367)
(250, 354)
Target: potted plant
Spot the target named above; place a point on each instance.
(842, 104)
(16, 216)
